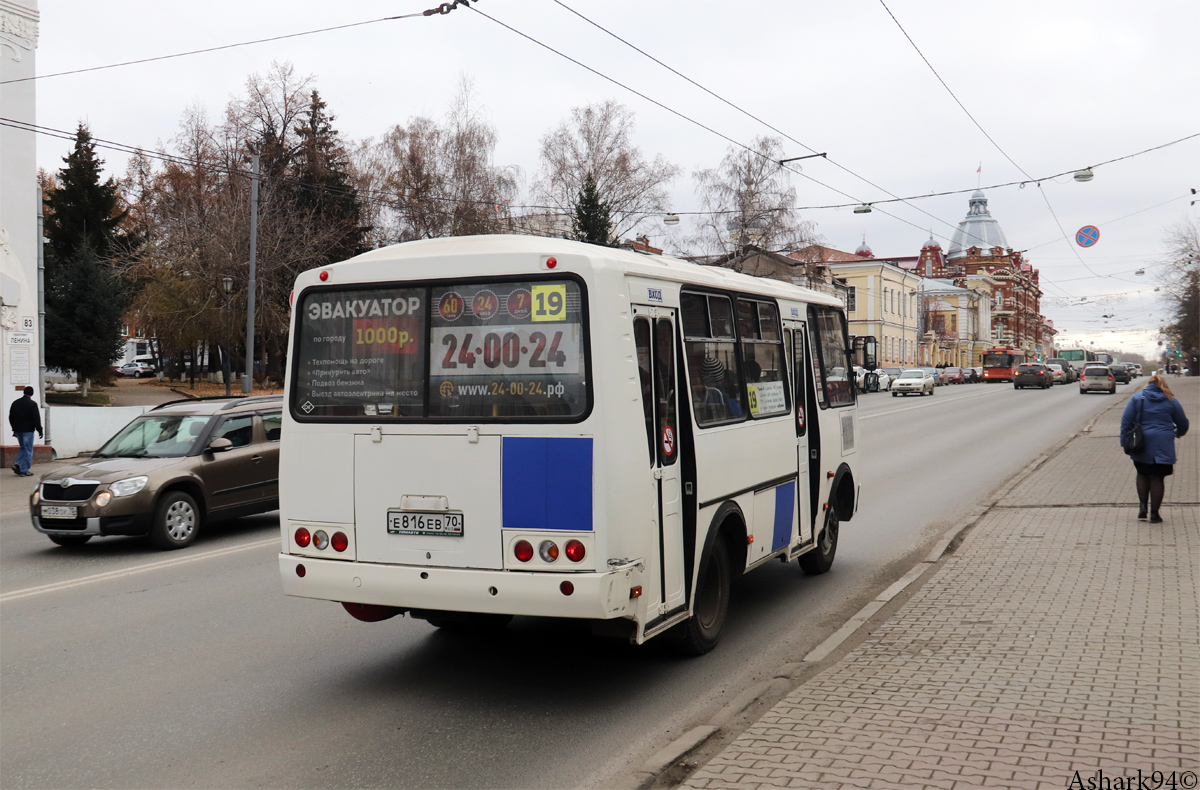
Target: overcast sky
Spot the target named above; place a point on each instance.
(1057, 85)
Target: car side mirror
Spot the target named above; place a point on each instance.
(219, 445)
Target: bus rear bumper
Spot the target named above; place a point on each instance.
(596, 596)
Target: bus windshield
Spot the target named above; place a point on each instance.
(499, 351)
(997, 360)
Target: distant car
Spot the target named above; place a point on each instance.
(935, 374)
(1060, 375)
(881, 377)
(1120, 372)
(974, 375)
(913, 380)
(1097, 378)
(1070, 371)
(1033, 374)
(136, 369)
(1137, 370)
(953, 376)
(168, 473)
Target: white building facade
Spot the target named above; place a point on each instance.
(20, 202)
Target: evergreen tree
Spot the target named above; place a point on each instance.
(83, 211)
(85, 304)
(322, 172)
(592, 222)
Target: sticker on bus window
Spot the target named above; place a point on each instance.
(549, 302)
(668, 441)
(766, 397)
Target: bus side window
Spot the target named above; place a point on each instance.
(818, 373)
(641, 339)
(762, 357)
(830, 328)
(711, 351)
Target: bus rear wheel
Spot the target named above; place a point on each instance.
(820, 559)
(702, 630)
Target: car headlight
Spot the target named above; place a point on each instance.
(128, 486)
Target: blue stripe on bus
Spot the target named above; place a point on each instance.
(546, 483)
(785, 500)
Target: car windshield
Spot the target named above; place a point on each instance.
(912, 374)
(158, 436)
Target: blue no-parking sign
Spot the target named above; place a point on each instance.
(1087, 235)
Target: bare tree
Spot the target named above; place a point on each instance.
(749, 201)
(1181, 282)
(596, 141)
(438, 180)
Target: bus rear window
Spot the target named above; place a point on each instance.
(505, 351)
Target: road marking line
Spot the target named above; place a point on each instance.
(64, 585)
(923, 405)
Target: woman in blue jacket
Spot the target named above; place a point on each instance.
(1162, 420)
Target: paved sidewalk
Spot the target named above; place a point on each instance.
(1060, 640)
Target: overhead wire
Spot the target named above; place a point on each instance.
(216, 48)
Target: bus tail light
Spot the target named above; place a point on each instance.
(339, 541)
(320, 539)
(566, 588)
(523, 550)
(302, 538)
(548, 551)
(300, 571)
(575, 551)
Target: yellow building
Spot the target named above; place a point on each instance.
(882, 301)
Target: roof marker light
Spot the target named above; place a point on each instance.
(324, 276)
(551, 263)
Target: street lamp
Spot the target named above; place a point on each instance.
(1084, 175)
(227, 282)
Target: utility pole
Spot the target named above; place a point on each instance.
(248, 376)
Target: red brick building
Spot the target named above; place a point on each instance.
(979, 247)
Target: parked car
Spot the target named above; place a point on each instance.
(168, 473)
(1057, 372)
(881, 377)
(136, 369)
(893, 373)
(1032, 374)
(953, 376)
(1097, 378)
(1137, 370)
(974, 375)
(913, 380)
(935, 374)
(1120, 372)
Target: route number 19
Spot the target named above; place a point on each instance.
(549, 302)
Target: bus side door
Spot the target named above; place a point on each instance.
(796, 340)
(655, 338)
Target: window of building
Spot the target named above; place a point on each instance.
(851, 298)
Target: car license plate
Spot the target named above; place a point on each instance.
(53, 511)
(407, 522)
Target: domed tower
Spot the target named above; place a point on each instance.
(931, 261)
(864, 251)
(977, 229)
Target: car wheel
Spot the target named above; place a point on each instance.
(137, 374)
(69, 540)
(820, 559)
(702, 630)
(895, 394)
(176, 521)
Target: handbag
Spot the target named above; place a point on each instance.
(1133, 441)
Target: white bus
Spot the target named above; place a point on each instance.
(491, 426)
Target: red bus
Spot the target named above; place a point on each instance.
(1000, 363)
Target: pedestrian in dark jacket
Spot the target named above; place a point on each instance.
(24, 417)
(1162, 421)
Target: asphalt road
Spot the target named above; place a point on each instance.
(124, 667)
